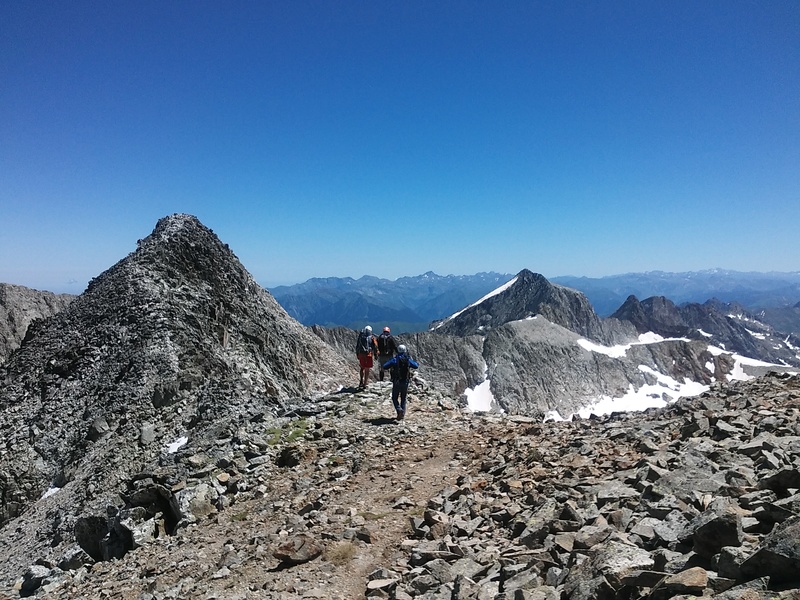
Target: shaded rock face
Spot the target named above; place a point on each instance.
(454, 363)
(726, 325)
(530, 295)
(161, 345)
(19, 307)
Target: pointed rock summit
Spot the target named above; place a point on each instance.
(159, 346)
(725, 325)
(526, 296)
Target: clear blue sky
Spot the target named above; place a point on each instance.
(389, 138)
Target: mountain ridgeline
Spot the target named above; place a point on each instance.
(405, 304)
(163, 345)
(155, 399)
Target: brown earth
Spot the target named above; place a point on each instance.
(359, 522)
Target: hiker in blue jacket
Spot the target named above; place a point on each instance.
(399, 368)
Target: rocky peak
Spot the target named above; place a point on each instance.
(525, 296)
(160, 346)
(726, 325)
(657, 314)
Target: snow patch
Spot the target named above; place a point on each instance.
(50, 491)
(650, 337)
(704, 334)
(648, 396)
(174, 446)
(480, 398)
(612, 351)
(620, 350)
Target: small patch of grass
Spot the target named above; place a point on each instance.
(239, 516)
(289, 433)
(273, 435)
(298, 430)
(371, 516)
(340, 553)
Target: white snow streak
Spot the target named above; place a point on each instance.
(174, 446)
(620, 350)
(50, 491)
(499, 290)
(659, 394)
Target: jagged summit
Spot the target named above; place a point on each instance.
(528, 294)
(169, 339)
(726, 325)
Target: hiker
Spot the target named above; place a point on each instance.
(400, 370)
(387, 348)
(366, 350)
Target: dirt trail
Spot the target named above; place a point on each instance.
(359, 516)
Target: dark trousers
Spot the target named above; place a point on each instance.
(382, 358)
(399, 394)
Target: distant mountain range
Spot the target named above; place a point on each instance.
(172, 389)
(752, 290)
(405, 304)
(411, 303)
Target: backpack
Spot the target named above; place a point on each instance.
(400, 369)
(385, 344)
(364, 344)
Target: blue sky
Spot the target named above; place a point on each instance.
(393, 138)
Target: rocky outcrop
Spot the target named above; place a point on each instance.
(537, 367)
(726, 325)
(158, 350)
(454, 363)
(19, 307)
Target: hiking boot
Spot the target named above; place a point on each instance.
(400, 415)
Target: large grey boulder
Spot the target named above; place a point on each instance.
(778, 555)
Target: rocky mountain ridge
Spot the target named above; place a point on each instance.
(527, 295)
(176, 398)
(543, 348)
(19, 307)
(160, 347)
(728, 325)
